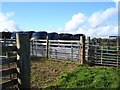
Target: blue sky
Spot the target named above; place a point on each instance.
(60, 16)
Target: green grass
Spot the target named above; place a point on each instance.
(89, 77)
(58, 74)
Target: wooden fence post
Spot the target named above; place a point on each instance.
(118, 49)
(47, 47)
(71, 50)
(4, 44)
(0, 59)
(88, 50)
(101, 54)
(82, 49)
(32, 44)
(23, 49)
(36, 48)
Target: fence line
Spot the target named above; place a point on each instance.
(104, 55)
(18, 74)
(71, 50)
(59, 49)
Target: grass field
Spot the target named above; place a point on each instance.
(45, 72)
(89, 77)
(56, 74)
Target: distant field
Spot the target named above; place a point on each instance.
(56, 74)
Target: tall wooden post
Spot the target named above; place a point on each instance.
(71, 50)
(118, 49)
(32, 46)
(88, 50)
(0, 58)
(23, 49)
(47, 47)
(82, 49)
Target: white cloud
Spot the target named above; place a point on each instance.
(96, 25)
(75, 22)
(6, 24)
(9, 14)
(98, 18)
(102, 31)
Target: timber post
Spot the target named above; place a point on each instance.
(47, 48)
(118, 49)
(88, 50)
(23, 65)
(82, 49)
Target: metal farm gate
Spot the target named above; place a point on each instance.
(105, 53)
